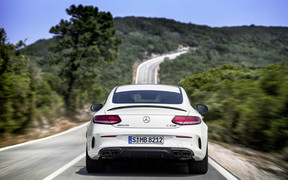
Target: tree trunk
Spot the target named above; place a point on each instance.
(69, 100)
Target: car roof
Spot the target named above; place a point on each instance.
(153, 87)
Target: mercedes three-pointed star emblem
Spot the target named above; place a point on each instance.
(146, 119)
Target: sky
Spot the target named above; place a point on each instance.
(32, 19)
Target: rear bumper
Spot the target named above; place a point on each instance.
(110, 137)
(146, 153)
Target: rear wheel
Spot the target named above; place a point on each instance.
(199, 167)
(94, 166)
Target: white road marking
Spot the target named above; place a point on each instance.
(65, 167)
(221, 169)
(42, 139)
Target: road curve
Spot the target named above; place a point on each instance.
(147, 71)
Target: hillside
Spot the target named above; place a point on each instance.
(246, 46)
(242, 46)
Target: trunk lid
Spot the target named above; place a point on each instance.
(146, 116)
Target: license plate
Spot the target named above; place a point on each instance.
(146, 140)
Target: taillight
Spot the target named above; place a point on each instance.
(186, 120)
(107, 119)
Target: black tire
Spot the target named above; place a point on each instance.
(199, 167)
(94, 166)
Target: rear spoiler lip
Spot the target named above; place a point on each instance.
(147, 106)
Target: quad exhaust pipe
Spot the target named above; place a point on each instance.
(168, 153)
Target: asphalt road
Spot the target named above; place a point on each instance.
(138, 171)
(147, 71)
(51, 159)
(40, 159)
(62, 157)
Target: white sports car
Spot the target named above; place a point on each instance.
(147, 122)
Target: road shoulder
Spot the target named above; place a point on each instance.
(246, 163)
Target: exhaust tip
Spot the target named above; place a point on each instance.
(182, 154)
(110, 153)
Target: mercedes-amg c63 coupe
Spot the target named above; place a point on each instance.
(154, 122)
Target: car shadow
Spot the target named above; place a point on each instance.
(141, 168)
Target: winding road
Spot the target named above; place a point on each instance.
(62, 156)
(147, 71)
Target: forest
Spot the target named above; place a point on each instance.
(246, 106)
(239, 72)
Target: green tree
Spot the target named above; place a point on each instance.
(14, 88)
(16, 99)
(246, 106)
(25, 96)
(5, 51)
(84, 41)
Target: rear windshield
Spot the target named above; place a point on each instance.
(160, 97)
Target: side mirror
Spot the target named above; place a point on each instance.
(201, 108)
(96, 107)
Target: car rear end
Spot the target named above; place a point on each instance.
(147, 128)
